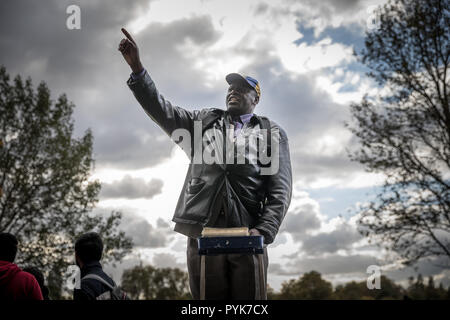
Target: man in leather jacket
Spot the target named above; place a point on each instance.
(220, 194)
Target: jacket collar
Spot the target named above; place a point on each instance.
(91, 267)
(251, 119)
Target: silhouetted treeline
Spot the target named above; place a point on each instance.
(148, 282)
(311, 286)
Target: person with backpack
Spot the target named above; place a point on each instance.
(95, 283)
(222, 194)
(15, 284)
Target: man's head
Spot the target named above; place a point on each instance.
(88, 248)
(8, 247)
(243, 94)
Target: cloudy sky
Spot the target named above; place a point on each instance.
(301, 53)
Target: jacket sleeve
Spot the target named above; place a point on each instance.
(278, 193)
(160, 110)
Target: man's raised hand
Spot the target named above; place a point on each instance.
(130, 52)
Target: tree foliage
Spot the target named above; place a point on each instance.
(418, 290)
(404, 131)
(310, 286)
(358, 291)
(150, 283)
(47, 198)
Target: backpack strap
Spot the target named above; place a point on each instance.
(98, 278)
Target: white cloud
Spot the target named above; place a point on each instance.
(131, 188)
(273, 29)
(306, 58)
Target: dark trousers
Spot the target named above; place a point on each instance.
(228, 276)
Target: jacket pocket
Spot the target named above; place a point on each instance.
(195, 185)
(198, 196)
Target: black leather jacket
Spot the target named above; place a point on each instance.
(253, 200)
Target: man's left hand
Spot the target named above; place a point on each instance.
(254, 232)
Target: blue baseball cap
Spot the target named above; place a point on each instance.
(252, 82)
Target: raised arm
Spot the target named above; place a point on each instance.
(130, 52)
(159, 109)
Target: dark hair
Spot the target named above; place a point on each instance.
(40, 279)
(8, 247)
(89, 247)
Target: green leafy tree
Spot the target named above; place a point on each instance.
(150, 283)
(47, 199)
(418, 290)
(310, 286)
(358, 291)
(404, 132)
(272, 294)
(352, 291)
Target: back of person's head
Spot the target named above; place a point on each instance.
(8, 247)
(89, 247)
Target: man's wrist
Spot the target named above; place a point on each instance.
(139, 75)
(262, 232)
(137, 69)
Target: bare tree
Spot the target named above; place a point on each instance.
(404, 131)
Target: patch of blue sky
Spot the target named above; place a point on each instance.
(347, 87)
(358, 67)
(308, 34)
(350, 35)
(337, 201)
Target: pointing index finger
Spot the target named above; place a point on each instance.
(125, 32)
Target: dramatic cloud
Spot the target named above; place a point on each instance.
(302, 219)
(340, 239)
(131, 188)
(333, 264)
(167, 260)
(145, 234)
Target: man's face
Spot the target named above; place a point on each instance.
(241, 99)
